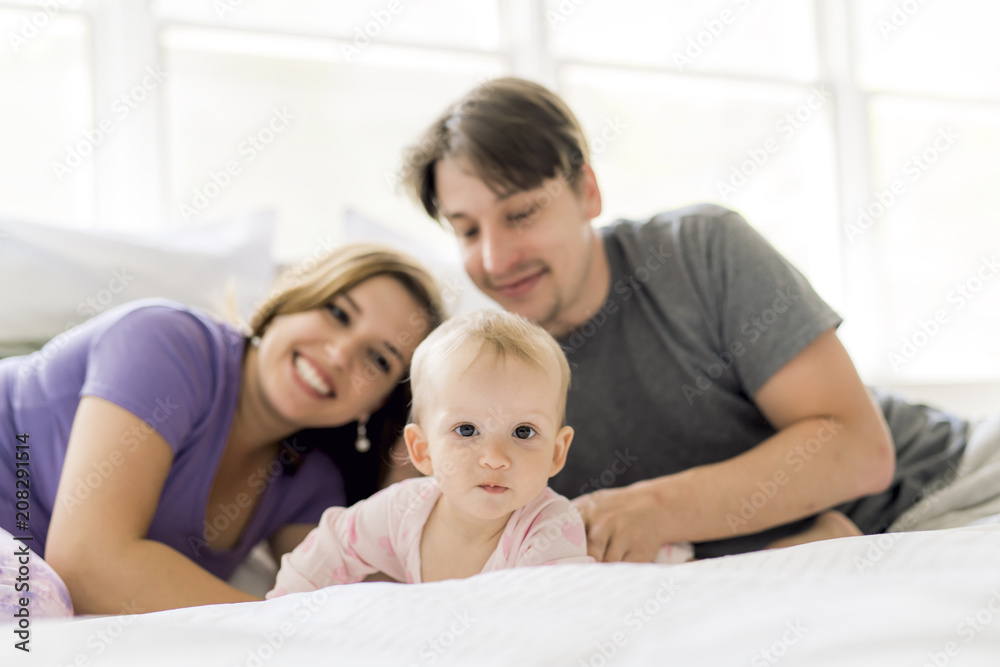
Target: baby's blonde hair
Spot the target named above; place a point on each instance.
(498, 333)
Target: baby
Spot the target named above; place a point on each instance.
(487, 429)
(489, 398)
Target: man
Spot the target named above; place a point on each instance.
(711, 397)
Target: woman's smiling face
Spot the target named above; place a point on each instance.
(337, 363)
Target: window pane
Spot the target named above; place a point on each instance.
(935, 47)
(764, 38)
(661, 142)
(441, 23)
(48, 160)
(939, 237)
(280, 122)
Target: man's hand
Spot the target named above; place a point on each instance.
(622, 524)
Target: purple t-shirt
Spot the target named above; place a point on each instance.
(179, 371)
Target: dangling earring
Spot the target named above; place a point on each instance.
(255, 341)
(362, 443)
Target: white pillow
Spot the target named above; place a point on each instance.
(53, 278)
(458, 292)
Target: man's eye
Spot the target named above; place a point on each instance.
(466, 430)
(339, 313)
(525, 214)
(524, 432)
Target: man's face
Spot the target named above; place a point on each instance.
(532, 251)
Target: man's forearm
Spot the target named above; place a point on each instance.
(803, 469)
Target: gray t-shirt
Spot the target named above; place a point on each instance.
(702, 311)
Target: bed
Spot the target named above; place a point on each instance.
(923, 598)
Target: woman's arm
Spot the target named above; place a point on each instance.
(98, 545)
(832, 446)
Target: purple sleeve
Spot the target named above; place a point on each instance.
(160, 364)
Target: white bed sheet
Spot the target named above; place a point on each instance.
(930, 598)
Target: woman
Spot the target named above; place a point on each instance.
(164, 445)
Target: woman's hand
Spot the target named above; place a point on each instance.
(622, 523)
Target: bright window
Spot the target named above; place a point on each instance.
(859, 137)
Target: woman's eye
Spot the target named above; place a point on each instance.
(524, 432)
(339, 313)
(470, 233)
(381, 362)
(466, 430)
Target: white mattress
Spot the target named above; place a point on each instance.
(912, 599)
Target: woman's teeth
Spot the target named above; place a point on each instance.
(311, 377)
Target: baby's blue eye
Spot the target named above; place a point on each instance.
(524, 432)
(466, 430)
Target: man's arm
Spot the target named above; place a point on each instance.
(832, 446)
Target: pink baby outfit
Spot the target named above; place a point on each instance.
(382, 534)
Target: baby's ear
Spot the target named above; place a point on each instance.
(416, 446)
(563, 439)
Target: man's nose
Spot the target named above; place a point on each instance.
(500, 251)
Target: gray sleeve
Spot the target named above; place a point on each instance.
(765, 309)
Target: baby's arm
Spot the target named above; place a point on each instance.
(346, 546)
(556, 536)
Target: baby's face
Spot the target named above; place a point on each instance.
(493, 433)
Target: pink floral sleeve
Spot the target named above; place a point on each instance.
(348, 544)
